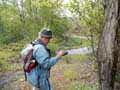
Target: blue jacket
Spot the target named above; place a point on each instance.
(39, 75)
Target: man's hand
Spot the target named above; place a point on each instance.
(60, 53)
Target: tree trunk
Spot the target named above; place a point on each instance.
(92, 43)
(109, 46)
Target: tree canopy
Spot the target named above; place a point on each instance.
(23, 19)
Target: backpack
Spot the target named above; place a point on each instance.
(27, 58)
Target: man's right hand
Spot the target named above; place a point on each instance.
(60, 53)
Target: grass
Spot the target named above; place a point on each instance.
(73, 76)
(77, 86)
(9, 59)
(82, 86)
(76, 58)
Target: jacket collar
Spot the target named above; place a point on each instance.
(38, 41)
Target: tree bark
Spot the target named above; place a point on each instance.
(109, 48)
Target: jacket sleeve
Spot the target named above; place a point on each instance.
(42, 57)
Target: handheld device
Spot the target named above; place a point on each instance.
(65, 53)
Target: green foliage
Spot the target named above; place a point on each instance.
(90, 13)
(76, 42)
(9, 31)
(90, 16)
(16, 25)
(53, 47)
(45, 14)
(19, 24)
(38, 14)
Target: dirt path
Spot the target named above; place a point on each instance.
(8, 76)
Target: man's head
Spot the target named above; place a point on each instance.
(45, 35)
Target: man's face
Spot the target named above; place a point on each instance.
(45, 40)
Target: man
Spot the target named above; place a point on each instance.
(38, 77)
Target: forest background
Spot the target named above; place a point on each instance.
(75, 24)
